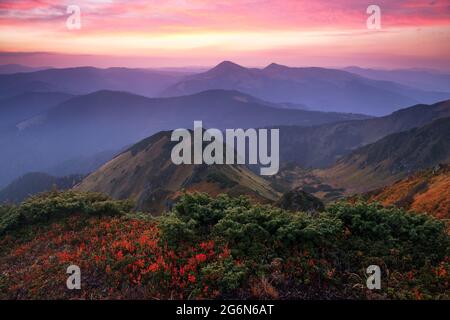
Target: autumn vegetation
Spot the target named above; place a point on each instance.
(425, 191)
(222, 247)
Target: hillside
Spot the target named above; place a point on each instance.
(321, 146)
(424, 79)
(26, 105)
(86, 125)
(426, 191)
(391, 158)
(16, 68)
(33, 183)
(146, 174)
(317, 88)
(293, 177)
(84, 80)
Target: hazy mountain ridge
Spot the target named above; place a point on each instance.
(108, 120)
(63, 134)
(314, 87)
(382, 162)
(84, 80)
(431, 80)
(391, 158)
(28, 104)
(318, 88)
(17, 68)
(36, 182)
(321, 146)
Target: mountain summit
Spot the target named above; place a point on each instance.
(146, 174)
(227, 66)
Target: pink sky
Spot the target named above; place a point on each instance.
(165, 33)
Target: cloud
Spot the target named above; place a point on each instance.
(170, 27)
(244, 14)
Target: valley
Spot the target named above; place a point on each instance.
(328, 155)
(91, 175)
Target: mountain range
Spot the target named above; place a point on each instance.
(86, 121)
(16, 68)
(83, 80)
(317, 88)
(321, 146)
(391, 158)
(352, 90)
(424, 79)
(146, 174)
(85, 125)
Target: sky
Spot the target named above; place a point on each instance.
(177, 33)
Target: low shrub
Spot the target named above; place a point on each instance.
(58, 204)
(312, 251)
(219, 247)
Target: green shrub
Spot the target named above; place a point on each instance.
(228, 247)
(9, 218)
(255, 234)
(225, 275)
(52, 205)
(314, 250)
(267, 231)
(195, 215)
(397, 237)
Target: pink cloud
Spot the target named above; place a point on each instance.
(341, 27)
(245, 14)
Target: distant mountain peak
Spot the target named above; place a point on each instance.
(227, 66)
(228, 63)
(106, 93)
(275, 66)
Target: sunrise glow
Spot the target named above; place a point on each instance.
(252, 32)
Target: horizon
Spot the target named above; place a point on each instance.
(204, 68)
(198, 33)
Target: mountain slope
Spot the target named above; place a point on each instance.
(321, 146)
(108, 120)
(83, 80)
(16, 68)
(33, 183)
(146, 174)
(318, 88)
(426, 191)
(216, 108)
(422, 79)
(27, 105)
(392, 158)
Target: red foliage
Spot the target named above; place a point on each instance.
(117, 252)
